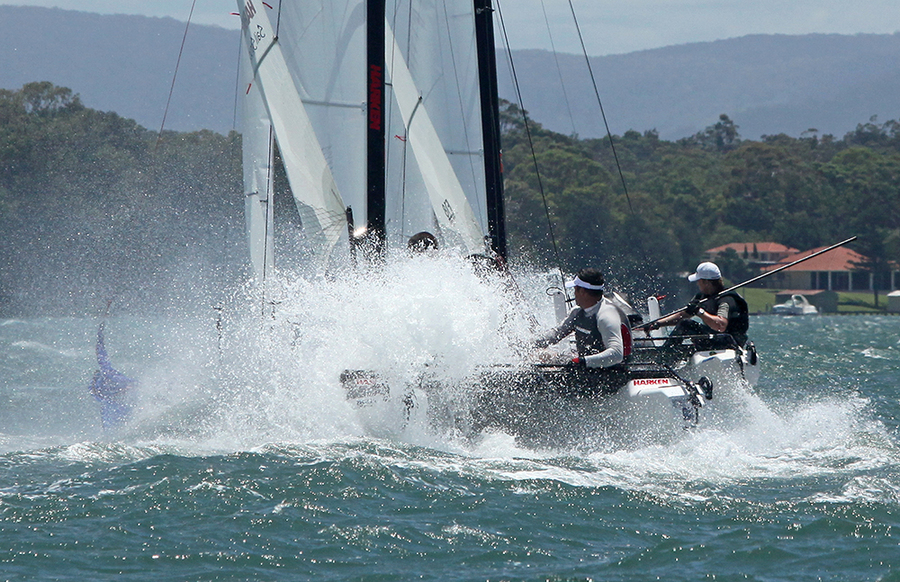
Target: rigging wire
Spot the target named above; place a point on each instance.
(612, 144)
(534, 161)
(277, 21)
(407, 123)
(639, 241)
(562, 84)
(175, 75)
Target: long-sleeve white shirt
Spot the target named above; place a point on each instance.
(610, 320)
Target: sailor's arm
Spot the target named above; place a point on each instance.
(716, 321)
(556, 334)
(670, 319)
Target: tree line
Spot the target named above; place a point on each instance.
(92, 205)
(674, 199)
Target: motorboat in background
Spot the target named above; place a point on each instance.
(796, 305)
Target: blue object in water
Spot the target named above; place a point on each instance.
(111, 388)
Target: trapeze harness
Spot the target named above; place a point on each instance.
(588, 339)
(738, 318)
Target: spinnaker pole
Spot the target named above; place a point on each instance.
(757, 278)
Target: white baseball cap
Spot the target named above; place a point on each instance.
(705, 271)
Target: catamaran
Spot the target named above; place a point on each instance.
(386, 117)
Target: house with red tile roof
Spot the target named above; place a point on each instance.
(755, 253)
(836, 270)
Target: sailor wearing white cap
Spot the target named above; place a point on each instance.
(708, 271)
(718, 312)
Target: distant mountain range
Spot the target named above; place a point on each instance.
(125, 64)
(767, 84)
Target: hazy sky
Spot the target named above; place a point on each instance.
(609, 26)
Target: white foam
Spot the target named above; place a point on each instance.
(276, 378)
(274, 385)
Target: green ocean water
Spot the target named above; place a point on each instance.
(242, 476)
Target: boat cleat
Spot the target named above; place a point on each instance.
(706, 387)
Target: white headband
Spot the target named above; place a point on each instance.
(576, 282)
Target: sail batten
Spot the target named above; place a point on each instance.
(360, 106)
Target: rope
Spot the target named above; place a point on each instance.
(174, 76)
(531, 145)
(612, 145)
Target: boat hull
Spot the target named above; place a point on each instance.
(539, 405)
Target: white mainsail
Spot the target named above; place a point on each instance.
(432, 58)
(316, 195)
(324, 47)
(448, 201)
(310, 74)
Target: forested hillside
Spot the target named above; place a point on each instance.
(699, 192)
(92, 205)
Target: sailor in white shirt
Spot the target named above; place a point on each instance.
(602, 332)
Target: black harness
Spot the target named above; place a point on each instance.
(738, 318)
(587, 336)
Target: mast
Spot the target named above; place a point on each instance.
(490, 124)
(375, 132)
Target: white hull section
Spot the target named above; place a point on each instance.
(657, 400)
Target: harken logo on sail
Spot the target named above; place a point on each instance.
(375, 83)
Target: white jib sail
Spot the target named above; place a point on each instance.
(321, 209)
(451, 208)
